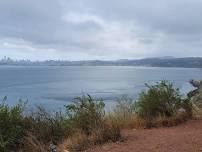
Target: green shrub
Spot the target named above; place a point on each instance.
(47, 126)
(162, 99)
(87, 117)
(188, 107)
(37, 129)
(15, 127)
(11, 126)
(86, 113)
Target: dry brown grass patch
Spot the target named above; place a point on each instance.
(163, 121)
(32, 144)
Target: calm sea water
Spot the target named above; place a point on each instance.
(54, 87)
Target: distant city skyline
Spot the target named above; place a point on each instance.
(191, 62)
(100, 29)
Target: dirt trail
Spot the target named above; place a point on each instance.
(186, 137)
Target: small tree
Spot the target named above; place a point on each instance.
(86, 113)
(87, 116)
(161, 99)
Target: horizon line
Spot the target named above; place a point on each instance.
(114, 60)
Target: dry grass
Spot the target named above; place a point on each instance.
(133, 121)
(163, 121)
(127, 121)
(80, 141)
(197, 112)
(137, 123)
(32, 144)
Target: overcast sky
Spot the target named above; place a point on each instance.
(100, 29)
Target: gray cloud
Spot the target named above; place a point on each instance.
(100, 29)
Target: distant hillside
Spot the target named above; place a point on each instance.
(189, 62)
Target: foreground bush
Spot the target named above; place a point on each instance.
(36, 130)
(47, 126)
(161, 99)
(86, 114)
(87, 117)
(11, 126)
(33, 130)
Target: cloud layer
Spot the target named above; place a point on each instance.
(100, 29)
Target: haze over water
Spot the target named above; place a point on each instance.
(56, 86)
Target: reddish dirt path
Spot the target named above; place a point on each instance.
(186, 137)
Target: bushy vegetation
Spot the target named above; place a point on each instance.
(85, 122)
(35, 131)
(11, 126)
(86, 114)
(47, 126)
(87, 117)
(19, 130)
(162, 99)
(162, 105)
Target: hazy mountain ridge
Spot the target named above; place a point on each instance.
(189, 62)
